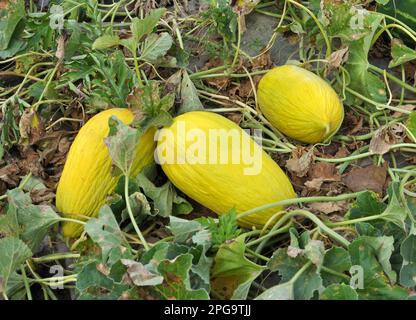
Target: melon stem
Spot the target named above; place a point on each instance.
(133, 220)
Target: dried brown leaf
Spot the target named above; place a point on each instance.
(300, 161)
(10, 175)
(369, 178)
(337, 58)
(42, 196)
(30, 127)
(329, 207)
(385, 137)
(406, 107)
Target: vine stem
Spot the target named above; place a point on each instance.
(48, 83)
(298, 201)
(57, 256)
(389, 26)
(324, 35)
(301, 271)
(335, 273)
(72, 220)
(26, 283)
(136, 67)
(133, 220)
(320, 224)
(237, 50)
(394, 79)
(271, 234)
(354, 221)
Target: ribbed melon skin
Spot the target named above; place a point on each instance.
(223, 186)
(300, 104)
(86, 180)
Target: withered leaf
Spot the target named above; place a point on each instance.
(337, 58)
(321, 172)
(329, 207)
(300, 161)
(370, 178)
(385, 137)
(30, 127)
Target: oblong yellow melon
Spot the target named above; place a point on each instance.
(300, 104)
(86, 180)
(221, 183)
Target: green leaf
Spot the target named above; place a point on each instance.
(408, 270)
(94, 284)
(401, 54)
(367, 229)
(339, 292)
(121, 143)
(365, 82)
(411, 123)
(142, 27)
(396, 211)
(372, 255)
(156, 46)
(165, 199)
(9, 19)
(139, 275)
(189, 96)
(149, 102)
(283, 291)
(182, 229)
(176, 283)
(13, 253)
(106, 41)
(140, 207)
(15, 45)
(112, 79)
(408, 248)
(34, 221)
(232, 271)
(223, 229)
(366, 204)
(304, 285)
(105, 231)
(337, 259)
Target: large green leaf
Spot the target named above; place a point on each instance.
(232, 271)
(9, 19)
(336, 259)
(13, 253)
(121, 143)
(33, 221)
(363, 80)
(401, 54)
(156, 46)
(142, 27)
(105, 231)
(371, 255)
(166, 201)
(339, 292)
(176, 283)
(408, 270)
(300, 286)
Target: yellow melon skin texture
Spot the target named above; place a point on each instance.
(300, 104)
(86, 180)
(221, 185)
